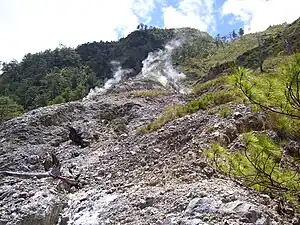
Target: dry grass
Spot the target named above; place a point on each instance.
(149, 93)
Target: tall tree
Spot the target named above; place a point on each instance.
(218, 40)
(234, 35)
(261, 52)
(141, 26)
(241, 32)
(224, 38)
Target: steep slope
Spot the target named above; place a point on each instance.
(127, 178)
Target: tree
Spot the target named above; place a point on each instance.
(39, 78)
(234, 35)
(141, 26)
(74, 82)
(230, 36)
(218, 40)
(224, 38)
(58, 100)
(291, 107)
(287, 45)
(261, 52)
(241, 32)
(9, 109)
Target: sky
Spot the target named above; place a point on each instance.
(30, 26)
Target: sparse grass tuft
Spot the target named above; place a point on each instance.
(207, 101)
(225, 111)
(168, 114)
(202, 87)
(149, 93)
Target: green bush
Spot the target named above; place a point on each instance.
(9, 109)
(258, 165)
(225, 111)
(272, 93)
(58, 100)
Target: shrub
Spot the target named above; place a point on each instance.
(9, 109)
(278, 94)
(258, 165)
(58, 100)
(225, 111)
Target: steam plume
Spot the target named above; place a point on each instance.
(158, 66)
(117, 77)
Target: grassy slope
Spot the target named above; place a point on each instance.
(245, 51)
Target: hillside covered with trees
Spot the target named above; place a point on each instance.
(66, 74)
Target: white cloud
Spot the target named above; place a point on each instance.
(258, 15)
(143, 7)
(33, 26)
(190, 13)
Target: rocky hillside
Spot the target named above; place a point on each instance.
(126, 177)
(156, 151)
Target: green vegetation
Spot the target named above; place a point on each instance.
(277, 93)
(261, 163)
(149, 93)
(9, 109)
(258, 165)
(225, 111)
(209, 85)
(233, 50)
(207, 101)
(269, 88)
(66, 74)
(36, 90)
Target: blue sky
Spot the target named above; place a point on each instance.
(30, 26)
(223, 24)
